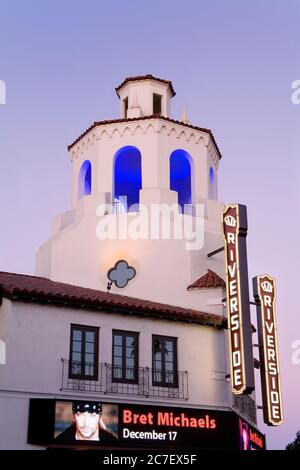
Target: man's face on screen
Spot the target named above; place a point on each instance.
(87, 425)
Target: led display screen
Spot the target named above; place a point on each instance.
(109, 425)
(250, 438)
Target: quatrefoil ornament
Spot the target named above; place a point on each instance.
(121, 273)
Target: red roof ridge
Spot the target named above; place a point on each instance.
(145, 77)
(38, 289)
(207, 281)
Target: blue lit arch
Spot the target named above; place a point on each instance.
(127, 176)
(85, 179)
(211, 176)
(211, 190)
(181, 176)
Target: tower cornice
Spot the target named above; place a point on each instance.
(142, 120)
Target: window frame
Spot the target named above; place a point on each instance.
(125, 334)
(164, 383)
(84, 329)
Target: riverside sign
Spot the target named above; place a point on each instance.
(264, 289)
(234, 223)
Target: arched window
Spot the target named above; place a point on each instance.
(211, 189)
(181, 176)
(85, 179)
(211, 176)
(127, 177)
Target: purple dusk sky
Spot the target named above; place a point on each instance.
(232, 65)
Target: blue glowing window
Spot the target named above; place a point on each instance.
(127, 176)
(85, 179)
(181, 176)
(211, 176)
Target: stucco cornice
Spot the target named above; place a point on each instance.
(144, 125)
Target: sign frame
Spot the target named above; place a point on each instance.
(234, 231)
(264, 290)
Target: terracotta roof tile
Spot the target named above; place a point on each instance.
(145, 77)
(208, 280)
(37, 289)
(144, 118)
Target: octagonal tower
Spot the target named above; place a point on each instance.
(143, 162)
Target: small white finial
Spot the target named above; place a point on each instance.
(184, 117)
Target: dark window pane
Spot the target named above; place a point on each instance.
(77, 335)
(125, 107)
(89, 369)
(76, 368)
(157, 376)
(89, 358)
(157, 356)
(90, 336)
(129, 374)
(118, 340)
(129, 352)
(156, 104)
(117, 372)
(118, 351)
(76, 357)
(89, 347)
(129, 363)
(118, 360)
(129, 341)
(169, 377)
(76, 346)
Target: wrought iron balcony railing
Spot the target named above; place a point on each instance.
(141, 381)
(246, 405)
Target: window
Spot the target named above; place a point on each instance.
(84, 352)
(127, 178)
(85, 179)
(125, 107)
(211, 175)
(125, 357)
(156, 104)
(164, 353)
(181, 177)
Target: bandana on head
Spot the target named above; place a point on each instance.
(89, 406)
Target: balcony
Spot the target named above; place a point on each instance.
(246, 406)
(140, 382)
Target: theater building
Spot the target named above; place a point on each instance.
(123, 310)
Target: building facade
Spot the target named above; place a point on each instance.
(122, 309)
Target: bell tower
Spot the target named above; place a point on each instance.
(142, 162)
(145, 96)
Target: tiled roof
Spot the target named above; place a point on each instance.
(144, 118)
(146, 77)
(208, 280)
(39, 289)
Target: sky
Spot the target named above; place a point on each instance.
(232, 65)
